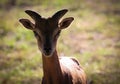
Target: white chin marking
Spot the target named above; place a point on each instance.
(48, 56)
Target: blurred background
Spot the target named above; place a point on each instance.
(93, 38)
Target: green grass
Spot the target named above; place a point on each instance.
(93, 38)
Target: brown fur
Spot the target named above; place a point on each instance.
(62, 70)
(56, 70)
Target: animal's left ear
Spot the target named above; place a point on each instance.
(65, 22)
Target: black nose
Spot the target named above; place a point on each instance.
(47, 49)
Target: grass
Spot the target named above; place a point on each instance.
(93, 38)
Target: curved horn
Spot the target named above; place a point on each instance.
(35, 16)
(59, 14)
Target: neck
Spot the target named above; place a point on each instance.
(51, 69)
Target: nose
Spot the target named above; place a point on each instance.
(47, 49)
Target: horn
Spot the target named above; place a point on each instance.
(35, 16)
(59, 14)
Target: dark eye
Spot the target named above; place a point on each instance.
(37, 36)
(35, 33)
(57, 34)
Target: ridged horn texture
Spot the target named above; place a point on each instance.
(35, 16)
(59, 14)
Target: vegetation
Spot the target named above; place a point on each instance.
(93, 38)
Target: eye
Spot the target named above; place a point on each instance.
(35, 33)
(57, 34)
(38, 37)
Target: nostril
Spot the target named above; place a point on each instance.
(47, 49)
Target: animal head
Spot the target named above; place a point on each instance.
(46, 30)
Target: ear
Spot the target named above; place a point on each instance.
(27, 24)
(65, 22)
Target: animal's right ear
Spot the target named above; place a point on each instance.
(27, 24)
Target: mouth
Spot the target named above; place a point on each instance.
(47, 53)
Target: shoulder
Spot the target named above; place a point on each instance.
(69, 59)
(75, 60)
